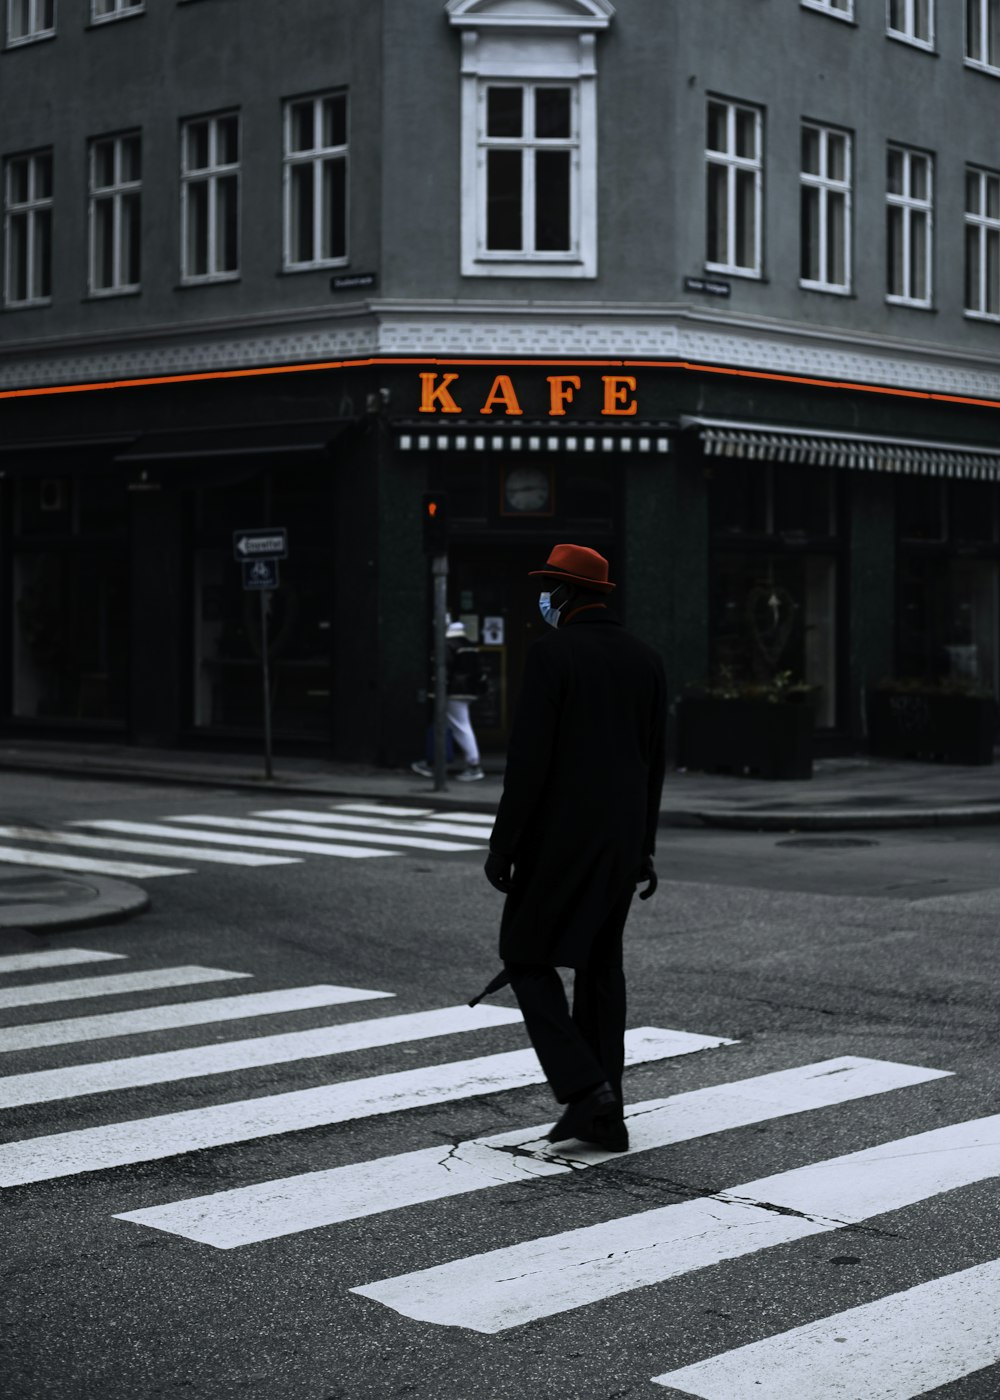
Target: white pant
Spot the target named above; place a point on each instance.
(461, 727)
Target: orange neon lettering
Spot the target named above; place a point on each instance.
(434, 396)
(616, 388)
(502, 392)
(561, 388)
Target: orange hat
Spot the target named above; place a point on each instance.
(574, 563)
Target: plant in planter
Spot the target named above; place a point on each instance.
(952, 720)
(756, 728)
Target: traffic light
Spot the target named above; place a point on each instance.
(435, 513)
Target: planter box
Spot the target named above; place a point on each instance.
(945, 728)
(752, 738)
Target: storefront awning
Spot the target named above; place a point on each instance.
(238, 442)
(910, 456)
(533, 437)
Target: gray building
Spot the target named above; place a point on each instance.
(713, 286)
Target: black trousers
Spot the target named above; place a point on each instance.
(579, 1048)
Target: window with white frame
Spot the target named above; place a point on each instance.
(842, 9)
(982, 243)
(30, 19)
(114, 9)
(909, 226)
(734, 153)
(529, 136)
(982, 33)
(825, 209)
(28, 229)
(912, 20)
(210, 189)
(115, 180)
(316, 181)
(529, 147)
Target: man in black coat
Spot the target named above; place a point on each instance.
(575, 833)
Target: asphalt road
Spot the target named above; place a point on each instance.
(797, 953)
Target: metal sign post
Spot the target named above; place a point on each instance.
(439, 571)
(259, 551)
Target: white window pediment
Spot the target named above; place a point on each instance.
(531, 14)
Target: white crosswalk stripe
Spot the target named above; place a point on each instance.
(167, 1135)
(213, 1011)
(147, 848)
(79, 988)
(338, 832)
(250, 1214)
(52, 957)
(224, 838)
(895, 1348)
(438, 826)
(60, 860)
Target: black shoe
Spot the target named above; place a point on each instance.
(596, 1118)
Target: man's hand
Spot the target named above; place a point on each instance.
(647, 877)
(497, 869)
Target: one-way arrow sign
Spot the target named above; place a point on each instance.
(260, 544)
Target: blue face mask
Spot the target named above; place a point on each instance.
(548, 612)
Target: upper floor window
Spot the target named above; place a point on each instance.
(825, 203)
(982, 33)
(982, 243)
(734, 152)
(115, 211)
(909, 229)
(28, 229)
(529, 136)
(912, 20)
(843, 9)
(210, 189)
(30, 19)
(114, 9)
(316, 181)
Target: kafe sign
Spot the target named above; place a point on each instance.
(611, 395)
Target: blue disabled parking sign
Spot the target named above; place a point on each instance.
(260, 573)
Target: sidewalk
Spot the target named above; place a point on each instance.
(844, 794)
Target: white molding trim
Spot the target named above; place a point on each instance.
(530, 14)
(499, 331)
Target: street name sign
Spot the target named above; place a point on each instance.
(260, 544)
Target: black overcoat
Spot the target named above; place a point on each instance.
(581, 796)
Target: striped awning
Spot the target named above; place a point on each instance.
(907, 456)
(533, 438)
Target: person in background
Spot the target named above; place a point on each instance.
(464, 686)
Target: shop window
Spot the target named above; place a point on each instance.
(752, 499)
(586, 492)
(948, 618)
(803, 501)
(972, 512)
(70, 601)
(465, 482)
(920, 507)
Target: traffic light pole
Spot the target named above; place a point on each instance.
(439, 571)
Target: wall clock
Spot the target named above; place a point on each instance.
(527, 490)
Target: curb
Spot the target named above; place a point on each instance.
(105, 901)
(842, 821)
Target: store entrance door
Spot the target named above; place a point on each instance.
(489, 589)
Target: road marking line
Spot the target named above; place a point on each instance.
(379, 811)
(167, 1135)
(52, 957)
(80, 988)
(424, 828)
(149, 848)
(424, 843)
(896, 1348)
(168, 1066)
(177, 1015)
(543, 1277)
(56, 860)
(250, 1214)
(311, 848)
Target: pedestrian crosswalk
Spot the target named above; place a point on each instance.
(901, 1344)
(177, 845)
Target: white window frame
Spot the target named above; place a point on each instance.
(734, 163)
(986, 30)
(210, 175)
(115, 195)
(984, 224)
(907, 33)
(122, 9)
(551, 43)
(317, 157)
(37, 28)
(913, 207)
(836, 9)
(31, 208)
(825, 185)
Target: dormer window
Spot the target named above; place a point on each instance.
(529, 136)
